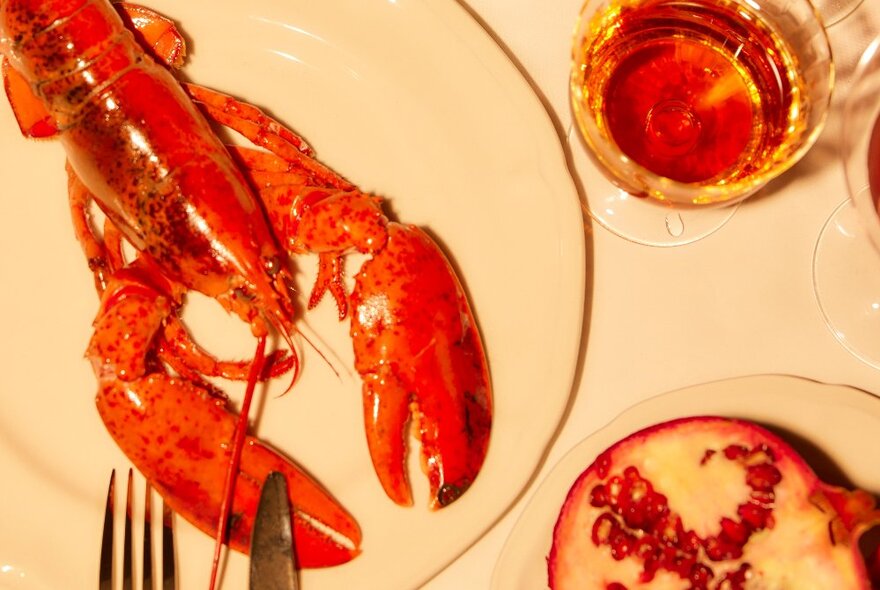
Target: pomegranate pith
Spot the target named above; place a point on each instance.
(708, 503)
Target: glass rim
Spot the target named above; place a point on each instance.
(627, 173)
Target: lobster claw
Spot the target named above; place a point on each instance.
(420, 356)
(177, 432)
(415, 340)
(186, 463)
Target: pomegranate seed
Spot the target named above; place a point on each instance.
(735, 580)
(645, 547)
(699, 576)
(690, 543)
(603, 528)
(757, 517)
(613, 489)
(656, 508)
(719, 550)
(762, 477)
(650, 570)
(734, 532)
(668, 529)
(622, 543)
(681, 565)
(638, 490)
(762, 498)
(603, 464)
(734, 452)
(648, 550)
(637, 514)
(599, 496)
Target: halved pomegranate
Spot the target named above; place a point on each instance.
(708, 503)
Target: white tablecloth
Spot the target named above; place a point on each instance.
(738, 302)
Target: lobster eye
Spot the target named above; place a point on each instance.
(272, 265)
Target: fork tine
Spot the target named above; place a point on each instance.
(148, 540)
(105, 569)
(127, 577)
(169, 581)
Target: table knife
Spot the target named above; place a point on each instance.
(272, 565)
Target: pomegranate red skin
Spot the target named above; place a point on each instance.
(874, 165)
(708, 503)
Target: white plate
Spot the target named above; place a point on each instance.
(410, 99)
(830, 425)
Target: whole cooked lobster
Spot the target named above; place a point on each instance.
(225, 221)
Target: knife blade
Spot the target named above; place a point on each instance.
(273, 565)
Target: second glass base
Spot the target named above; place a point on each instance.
(846, 280)
(639, 219)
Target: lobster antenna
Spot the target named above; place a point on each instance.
(288, 339)
(235, 459)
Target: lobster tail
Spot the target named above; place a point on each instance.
(22, 20)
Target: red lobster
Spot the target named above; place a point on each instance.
(224, 221)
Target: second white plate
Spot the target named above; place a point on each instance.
(829, 424)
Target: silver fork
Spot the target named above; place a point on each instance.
(105, 570)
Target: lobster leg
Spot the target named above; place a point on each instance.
(178, 434)
(177, 348)
(263, 131)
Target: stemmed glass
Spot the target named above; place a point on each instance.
(846, 260)
(687, 107)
